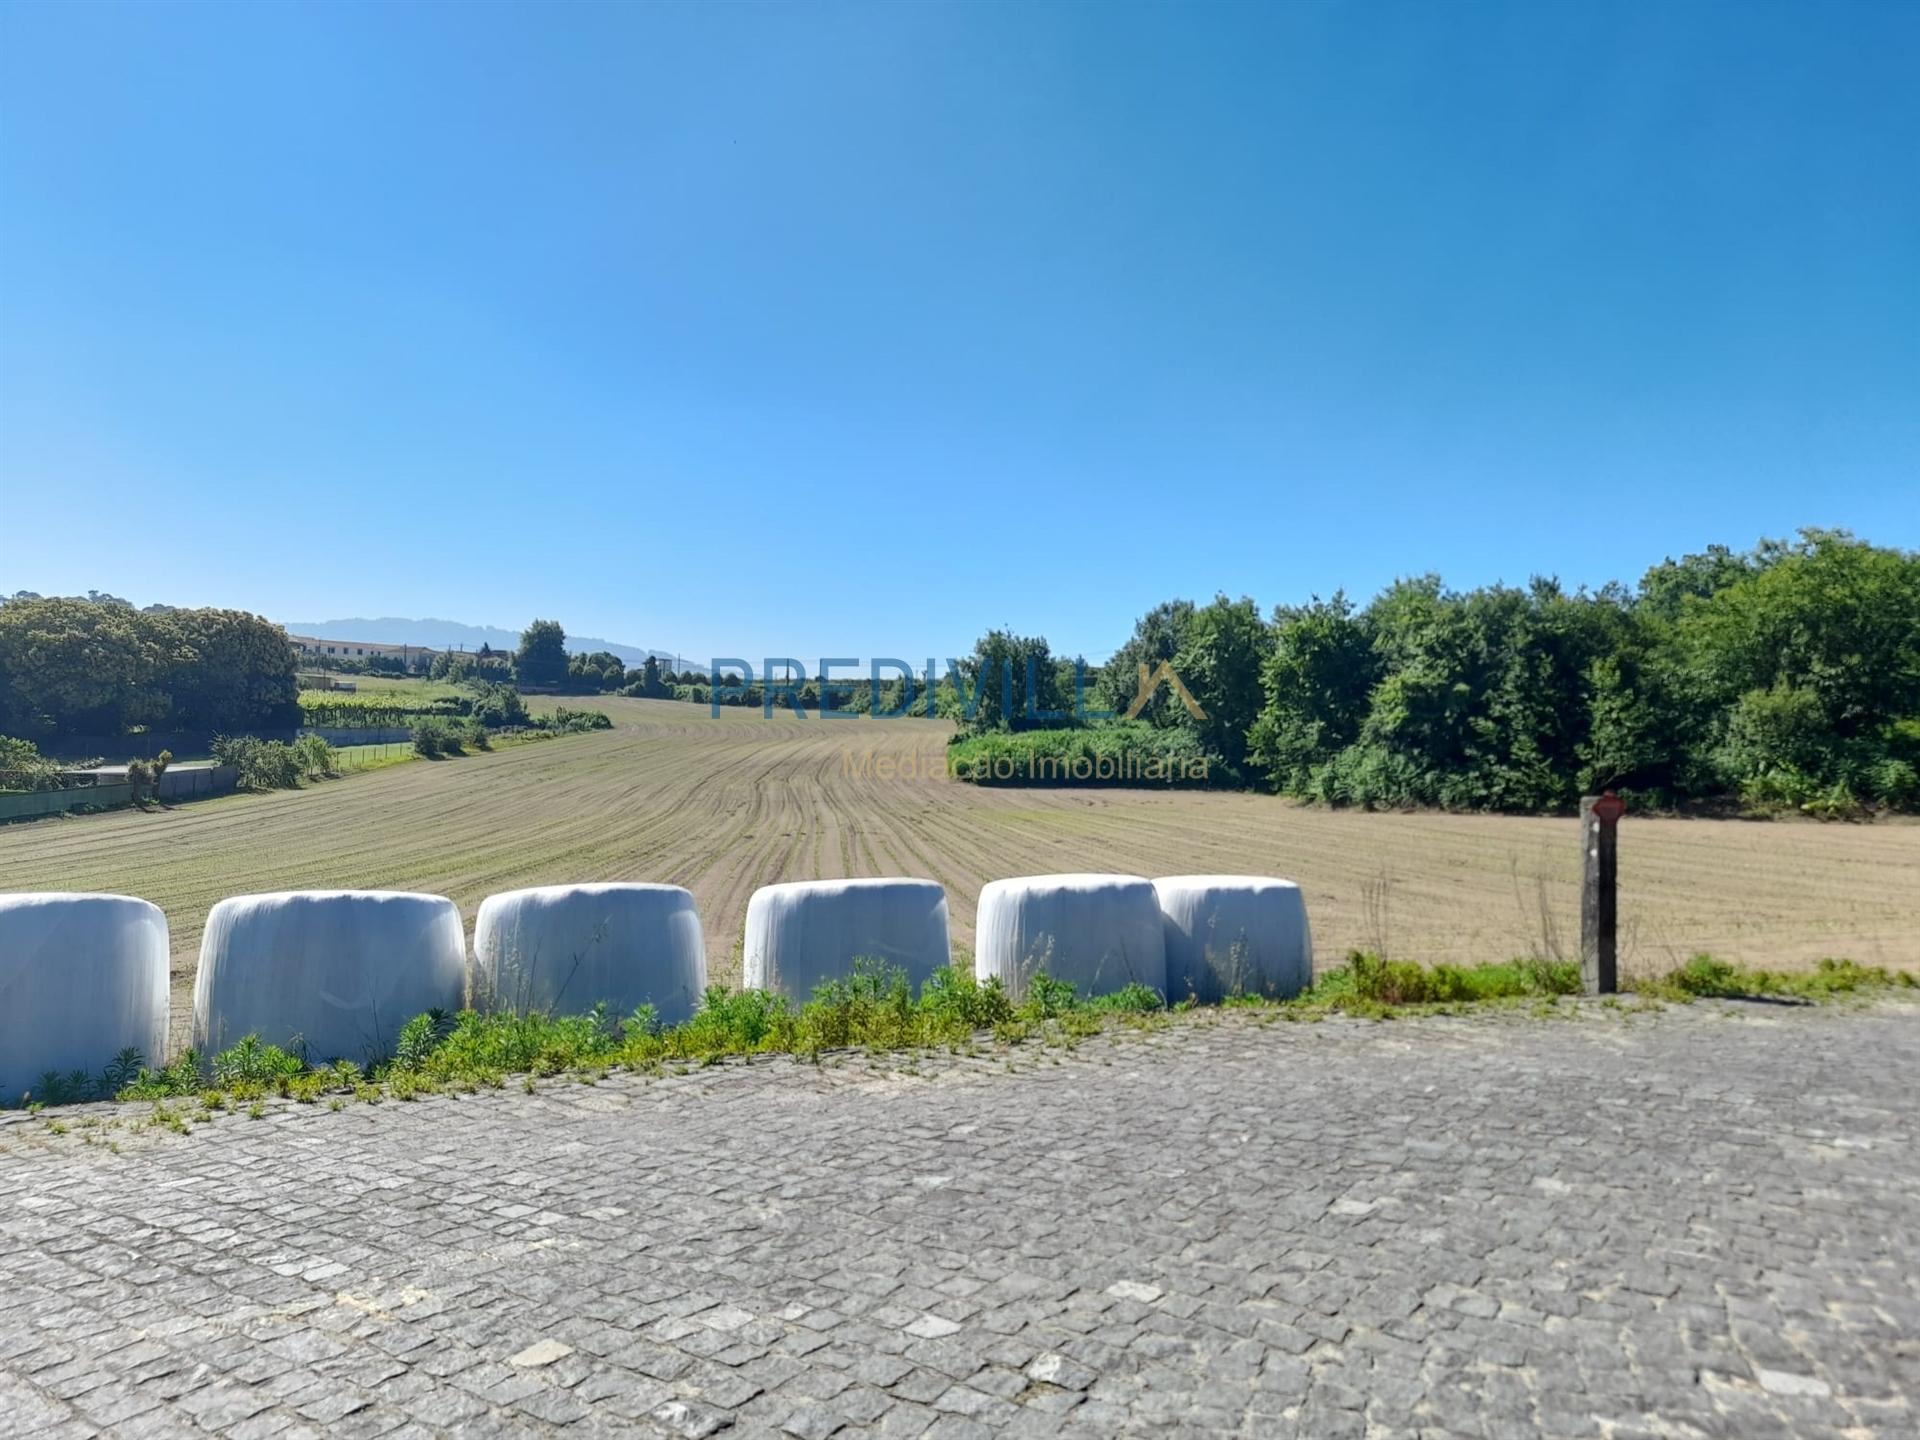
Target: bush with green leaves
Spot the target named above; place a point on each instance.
(1788, 676)
(23, 767)
(1010, 682)
(570, 722)
(1129, 753)
(180, 1077)
(436, 736)
(250, 1062)
(317, 758)
(263, 764)
(77, 1086)
(498, 706)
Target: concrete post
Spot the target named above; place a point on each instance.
(1599, 899)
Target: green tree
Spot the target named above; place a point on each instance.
(23, 767)
(1156, 640)
(81, 667)
(228, 670)
(1219, 661)
(1633, 728)
(1315, 685)
(1015, 682)
(1666, 588)
(595, 671)
(542, 658)
(1829, 614)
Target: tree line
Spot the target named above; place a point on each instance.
(98, 666)
(1786, 676)
(542, 662)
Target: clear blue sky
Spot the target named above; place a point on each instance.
(856, 329)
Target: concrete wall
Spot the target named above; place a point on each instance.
(199, 781)
(58, 802)
(334, 735)
(174, 785)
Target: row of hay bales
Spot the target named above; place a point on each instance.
(83, 977)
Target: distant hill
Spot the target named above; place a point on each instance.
(453, 635)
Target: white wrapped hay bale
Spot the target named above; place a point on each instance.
(338, 971)
(810, 931)
(562, 949)
(82, 977)
(1099, 933)
(1233, 935)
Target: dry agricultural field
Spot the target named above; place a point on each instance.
(724, 805)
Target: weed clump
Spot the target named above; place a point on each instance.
(873, 1008)
(1370, 983)
(1704, 977)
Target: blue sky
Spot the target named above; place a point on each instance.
(856, 329)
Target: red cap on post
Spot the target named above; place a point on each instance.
(1609, 808)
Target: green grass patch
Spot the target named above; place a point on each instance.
(1372, 985)
(1378, 980)
(874, 1010)
(1705, 977)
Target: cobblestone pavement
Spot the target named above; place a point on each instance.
(1701, 1222)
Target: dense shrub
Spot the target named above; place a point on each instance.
(438, 736)
(435, 736)
(1124, 753)
(484, 666)
(1789, 677)
(23, 767)
(568, 722)
(317, 759)
(596, 672)
(263, 764)
(498, 706)
(1010, 682)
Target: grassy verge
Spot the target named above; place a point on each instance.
(873, 1010)
(1705, 977)
(1374, 987)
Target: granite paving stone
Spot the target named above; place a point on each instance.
(1702, 1222)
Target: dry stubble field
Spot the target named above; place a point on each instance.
(724, 805)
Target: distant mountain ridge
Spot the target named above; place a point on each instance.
(454, 635)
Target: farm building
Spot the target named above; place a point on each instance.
(359, 649)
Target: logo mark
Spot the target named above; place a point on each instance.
(1150, 682)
